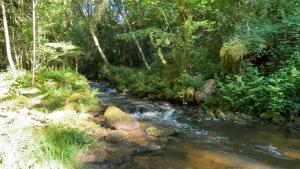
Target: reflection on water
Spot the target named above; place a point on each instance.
(200, 145)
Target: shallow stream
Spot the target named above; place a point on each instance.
(200, 144)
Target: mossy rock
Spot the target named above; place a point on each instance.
(270, 116)
(220, 115)
(120, 120)
(161, 132)
(210, 114)
(94, 106)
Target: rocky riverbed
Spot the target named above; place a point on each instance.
(171, 137)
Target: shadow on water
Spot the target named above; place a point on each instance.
(200, 145)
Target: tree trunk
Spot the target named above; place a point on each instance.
(7, 40)
(158, 51)
(76, 63)
(33, 60)
(90, 28)
(16, 56)
(96, 42)
(134, 37)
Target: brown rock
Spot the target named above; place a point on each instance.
(120, 120)
(116, 136)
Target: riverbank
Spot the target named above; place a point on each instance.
(45, 126)
(202, 104)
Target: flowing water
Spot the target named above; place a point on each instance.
(200, 144)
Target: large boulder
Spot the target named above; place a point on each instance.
(120, 120)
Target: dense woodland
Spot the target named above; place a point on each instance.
(167, 49)
(229, 56)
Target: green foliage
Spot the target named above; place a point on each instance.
(137, 81)
(275, 95)
(63, 143)
(145, 83)
(59, 55)
(21, 82)
(61, 78)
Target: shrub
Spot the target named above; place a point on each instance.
(274, 95)
(145, 83)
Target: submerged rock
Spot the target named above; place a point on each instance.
(220, 115)
(210, 115)
(147, 148)
(116, 136)
(161, 132)
(120, 120)
(293, 154)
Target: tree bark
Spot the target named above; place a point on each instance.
(33, 61)
(158, 51)
(96, 42)
(7, 40)
(16, 56)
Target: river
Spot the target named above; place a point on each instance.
(200, 144)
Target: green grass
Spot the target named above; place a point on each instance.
(62, 89)
(64, 143)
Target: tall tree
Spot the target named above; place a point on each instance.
(33, 61)
(92, 12)
(7, 40)
(123, 14)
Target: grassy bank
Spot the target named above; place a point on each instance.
(55, 112)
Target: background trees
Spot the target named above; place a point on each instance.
(183, 43)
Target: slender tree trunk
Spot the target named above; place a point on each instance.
(16, 56)
(33, 61)
(7, 40)
(96, 42)
(99, 12)
(76, 63)
(162, 12)
(134, 37)
(158, 51)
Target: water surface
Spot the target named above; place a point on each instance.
(201, 144)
